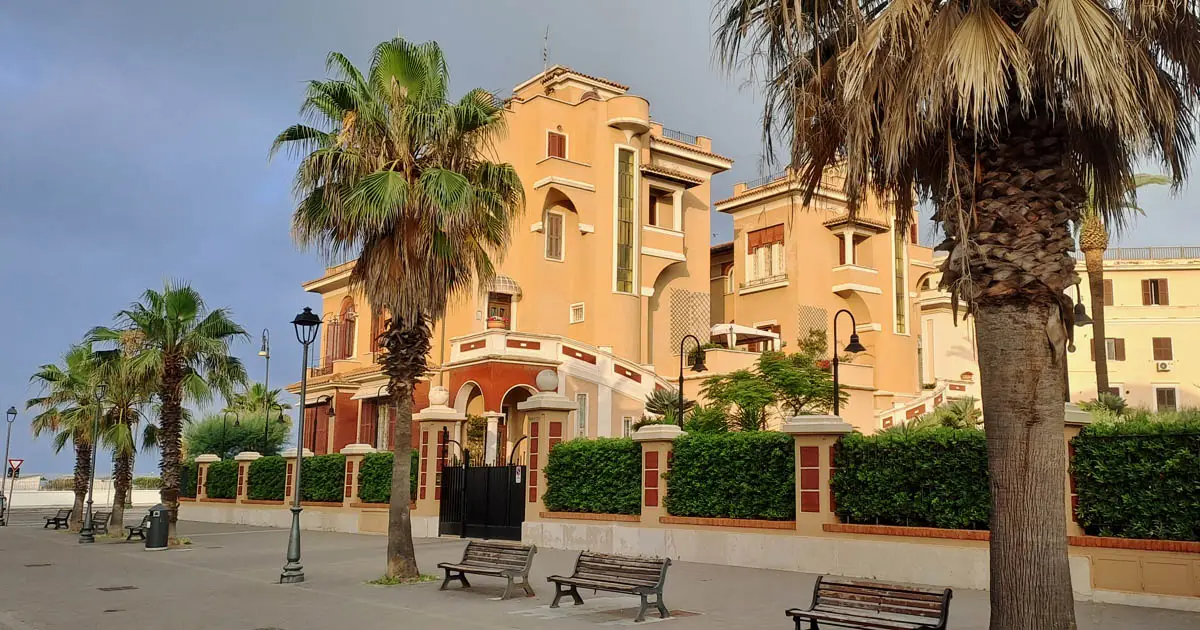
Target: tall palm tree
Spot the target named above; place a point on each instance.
(398, 175)
(126, 398)
(999, 113)
(1093, 232)
(256, 398)
(183, 349)
(68, 410)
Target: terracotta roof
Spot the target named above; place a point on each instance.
(554, 72)
(671, 173)
(690, 147)
(775, 184)
(721, 247)
(845, 218)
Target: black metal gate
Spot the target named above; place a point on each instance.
(483, 501)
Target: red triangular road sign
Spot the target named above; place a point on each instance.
(15, 464)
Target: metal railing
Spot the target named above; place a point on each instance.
(1150, 253)
(675, 134)
(764, 180)
(758, 282)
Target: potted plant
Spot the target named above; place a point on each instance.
(495, 321)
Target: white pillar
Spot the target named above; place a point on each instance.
(491, 439)
(848, 246)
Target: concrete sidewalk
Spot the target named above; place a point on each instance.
(226, 579)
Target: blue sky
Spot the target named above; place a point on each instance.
(135, 143)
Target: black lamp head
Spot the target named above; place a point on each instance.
(698, 361)
(855, 346)
(1081, 316)
(306, 325)
(12, 414)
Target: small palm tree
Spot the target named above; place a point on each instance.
(662, 402)
(256, 399)
(1093, 231)
(399, 176)
(182, 349)
(68, 410)
(960, 413)
(126, 397)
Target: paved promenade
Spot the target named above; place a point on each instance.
(226, 580)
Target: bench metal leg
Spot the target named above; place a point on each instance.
(559, 591)
(507, 588)
(662, 608)
(461, 577)
(641, 616)
(527, 586)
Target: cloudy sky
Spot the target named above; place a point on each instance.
(135, 141)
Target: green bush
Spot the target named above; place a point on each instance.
(221, 481)
(1139, 479)
(147, 483)
(267, 478)
(935, 477)
(375, 477)
(187, 479)
(745, 474)
(323, 478)
(601, 476)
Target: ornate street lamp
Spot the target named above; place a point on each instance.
(88, 533)
(697, 366)
(12, 416)
(267, 424)
(853, 347)
(306, 325)
(225, 426)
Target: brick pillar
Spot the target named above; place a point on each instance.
(546, 413)
(433, 451)
(289, 478)
(657, 440)
(816, 441)
(202, 462)
(244, 459)
(1073, 423)
(354, 455)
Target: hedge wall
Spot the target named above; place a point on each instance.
(221, 481)
(323, 478)
(1139, 480)
(187, 479)
(267, 476)
(930, 478)
(600, 476)
(749, 474)
(375, 477)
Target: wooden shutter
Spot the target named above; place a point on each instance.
(1146, 293)
(1162, 349)
(366, 424)
(554, 236)
(1163, 298)
(1108, 293)
(912, 232)
(1119, 345)
(1092, 347)
(841, 249)
(556, 145)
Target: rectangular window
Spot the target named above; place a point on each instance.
(581, 415)
(1115, 390)
(1165, 399)
(1154, 292)
(765, 248)
(841, 249)
(556, 145)
(625, 220)
(1114, 349)
(383, 428)
(1162, 349)
(1108, 293)
(554, 236)
(577, 312)
(627, 426)
(912, 233)
(901, 288)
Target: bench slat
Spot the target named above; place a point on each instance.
(825, 580)
(861, 600)
(839, 590)
(631, 561)
(866, 623)
(600, 584)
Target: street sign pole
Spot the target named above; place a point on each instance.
(14, 465)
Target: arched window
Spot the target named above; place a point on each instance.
(379, 323)
(343, 331)
(727, 272)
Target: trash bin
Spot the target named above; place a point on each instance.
(160, 526)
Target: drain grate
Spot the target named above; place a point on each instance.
(113, 610)
(43, 564)
(117, 588)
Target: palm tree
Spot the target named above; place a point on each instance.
(256, 398)
(183, 349)
(68, 410)
(397, 175)
(1000, 114)
(959, 413)
(1093, 242)
(125, 400)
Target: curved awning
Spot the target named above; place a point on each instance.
(742, 332)
(504, 284)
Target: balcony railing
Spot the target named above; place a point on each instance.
(764, 180)
(674, 134)
(758, 282)
(321, 370)
(1148, 253)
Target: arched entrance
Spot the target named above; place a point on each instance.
(512, 428)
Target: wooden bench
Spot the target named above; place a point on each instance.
(492, 558)
(59, 520)
(617, 574)
(849, 603)
(100, 522)
(139, 530)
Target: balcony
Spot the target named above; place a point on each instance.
(679, 136)
(662, 243)
(763, 284)
(848, 279)
(629, 112)
(563, 172)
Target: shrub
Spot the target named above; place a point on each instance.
(935, 477)
(221, 481)
(375, 477)
(709, 419)
(226, 436)
(60, 483)
(323, 478)
(602, 476)
(147, 483)
(267, 478)
(733, 475)
(1139, 479)
(187, 479)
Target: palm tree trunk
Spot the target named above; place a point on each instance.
(170, 434)
(83, 471)
(122, 480)
(1094, 259)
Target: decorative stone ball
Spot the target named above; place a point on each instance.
(438, 396)
(547, 381)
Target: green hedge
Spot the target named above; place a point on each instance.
(147, 483)
(221, 481)
(749, 474)
(930, 478)
(187, 479)
(267, 476)
(375, 477)
(323, 478)
(1139, 479)
(598, 476)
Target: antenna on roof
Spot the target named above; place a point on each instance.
(546, 50)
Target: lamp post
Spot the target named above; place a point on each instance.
(1081, 320)
(697, 366)
(267, 424)
(5, 498)
(88, 533)
(306, 325)
(853, 346)
(265, 352)
(225, 427)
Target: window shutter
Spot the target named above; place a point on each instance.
(841, 249)
(912, 232)
(1146, 301)
(556, 145)
(1108, 293)
(1162, 349)
(1092, 347)
(1120, 349)
(1163, 299)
